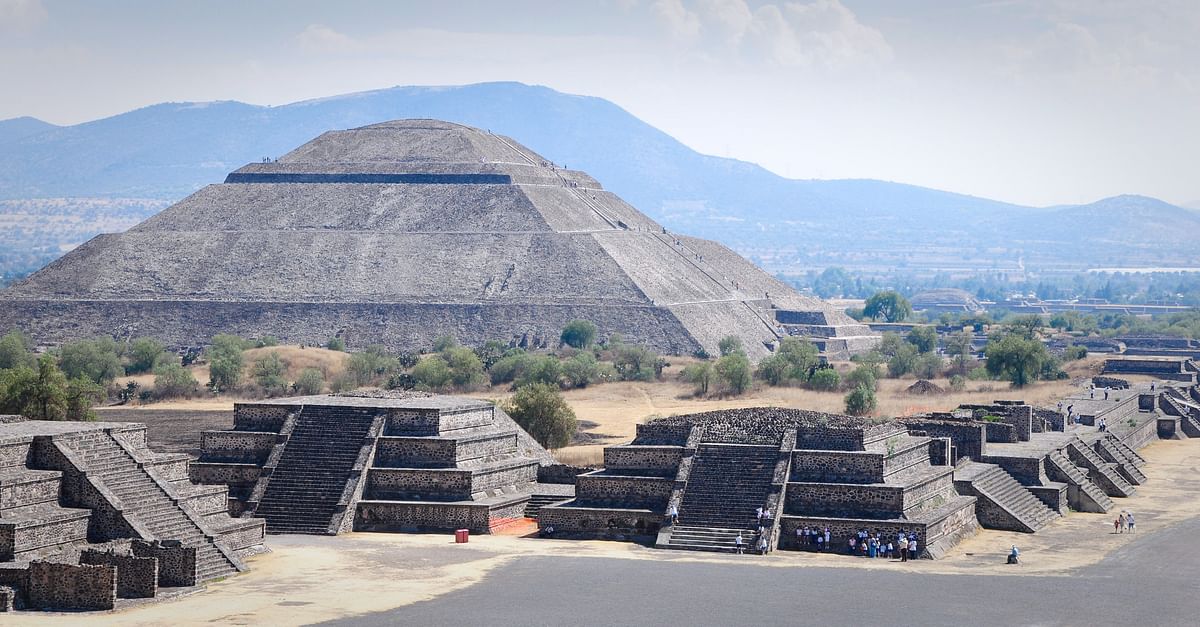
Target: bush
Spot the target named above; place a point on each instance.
(860, 401)
(540, 369)
(266, 341)
(1075, 353)
(730, 344)
(15, 350)
(924, 338)
(432, 373)
(490, 353)
(310, 381)
(825, 379)
(791, 363)
(958, 383)
(979, 374)
(928, 366)
(172, 380)
(268, 373)
(581, 370)
(578, 334)
(96, 360)
(466, 371)
(444, 343)
(733, 373)
(509, 367)
(1016, 358)
(637, 363)
(225, 362)
(336, 344)
(864, 374)
(541, 411)
(42, 392)
(903, 361)
(371, 366)
(142, 355)
(699, 375)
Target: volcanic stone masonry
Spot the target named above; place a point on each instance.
(389, 462)
(89, 514)
(401, 232)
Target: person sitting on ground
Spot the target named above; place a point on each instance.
(1014, 556)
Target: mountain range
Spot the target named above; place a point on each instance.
(169, 150)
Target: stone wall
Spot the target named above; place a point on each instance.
(231, 474)
(54, 586)
(137, 577)
(399, 452)
(969, 440)
(246, 447)
(599, 522)
(8, 598)
(662, 434)
(561, 473)
(258, 417)
(14, 452)
(176, 563)
(1027, 470)
(837, 466)
(385, 516)
(602, 489)
(648, 460)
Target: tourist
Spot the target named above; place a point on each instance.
(863, 544)
(852, 547)
(1014, 556)
(903, 544)
(673, 513)
(758, 514)
(766, 515)
(1129, 522)
(871, 550)
(1118, 522)
(890, 550)
(827, 536)
(912, 548)
(739, 544)
(762, 544)
(820, 545)
(548, 531)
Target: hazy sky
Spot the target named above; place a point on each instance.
(1036, 102)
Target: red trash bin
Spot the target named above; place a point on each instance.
(461, 535)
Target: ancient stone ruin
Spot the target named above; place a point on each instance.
(90, 515)
(408, 462)
(400, 232)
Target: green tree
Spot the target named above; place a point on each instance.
(792, 362)
(860, 401)
(733, 373)
(924, 338)
(97, 360)
(889, 343)
(928, 366)
(82, 395)
(171, 380)
(269, 372)
(44, 393)
(15, 350)
(700, 375)
(1015, 358)
(578, 334)
(444, 343)
(509, 367)
(336, 344)
(833, 282)
(489, 353)
(432, 372)
(825, 379)
(1024, 326)
(889, 305)
(541, 411)
(637, 363)
(466, 371)
(225, 362)
(864, 374)
(540, 369)
(142, 354)
(903, 361)
(371, 366)
(310, 381)
(580, 370)
(958, 348)
(730, 344)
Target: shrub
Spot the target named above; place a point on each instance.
(336, 344)
(15, 349)
(509, 367)
(432, 373)
(581, 370)
(266, 341)
(979, 374)
(903, 361)
(578, 334)
(924, 338)
(958, 383)
(42, 392)
(1016, 358)
(172, 380)
(928, 366)
(825, 379)
(541, 411)
(637, 363)
(371, 366)
(791, 363)
(466, 371)
(860, 401)
(699, 375)
(730, 344)
(733, 373)
(443, 343)
(1075, 353)
(310, 381)
(864, 374)
(142, 355)
(268, 373)
(490, 353)
(97, 360)
(225, 362)
(540, 369)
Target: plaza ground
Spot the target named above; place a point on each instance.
(1075, 571)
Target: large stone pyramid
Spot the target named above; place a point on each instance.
(400, 232)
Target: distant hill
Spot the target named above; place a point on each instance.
(166, 151)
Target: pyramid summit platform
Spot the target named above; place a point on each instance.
(400, 232)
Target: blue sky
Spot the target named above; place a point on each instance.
(1035, 102)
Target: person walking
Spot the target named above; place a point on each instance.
(1119, 523)
(673, 513)
(762, 544)
(1129, 522)
(739, 545)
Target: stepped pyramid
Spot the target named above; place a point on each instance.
(400, 232)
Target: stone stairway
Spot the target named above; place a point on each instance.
(538, 501)
(1187, 422)
(304, 490)
(1006, 504)
(1130, 454)
(727, 483)
(1106, 474)
(148, 503)
(1063, 469)
(1107, 449)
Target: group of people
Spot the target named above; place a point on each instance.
(813, 538)
(761, 542)
(1123, 522)
(876, 545)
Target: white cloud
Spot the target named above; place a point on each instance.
(680, 22)
(321, 38)
(20, 15)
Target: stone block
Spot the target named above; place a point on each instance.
(54, 586)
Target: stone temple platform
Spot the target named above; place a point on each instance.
(809, 469)
(398, 462)
(90, 515)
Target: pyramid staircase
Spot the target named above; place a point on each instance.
(1091, 497)
(727, 483)
(1011, 506)
(538, 501)
(304, 493)
(147, 502)
(1188, 414)
(1105, 473)
(1109, 448)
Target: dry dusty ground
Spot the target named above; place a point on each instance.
(308, 579)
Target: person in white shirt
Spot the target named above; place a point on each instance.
(738, 543)
(673, 514)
